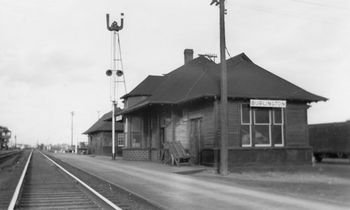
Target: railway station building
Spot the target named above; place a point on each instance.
(100, 136)
(267, 115)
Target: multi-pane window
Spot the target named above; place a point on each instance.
(246, 126)
(121, 139)
(261, 126)
(277, 127)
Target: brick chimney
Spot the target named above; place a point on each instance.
(188, 53)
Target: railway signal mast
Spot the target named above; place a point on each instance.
(116, 72)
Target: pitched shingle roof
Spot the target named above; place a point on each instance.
(248, 80)
(190, 81)
(101, 125)
(201, 78)
(146, 87)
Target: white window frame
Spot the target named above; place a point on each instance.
(119, 142)
(269, 126)
(250, 125)
(282, 126)
(127, 132)
(272, 121)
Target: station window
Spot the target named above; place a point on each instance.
(135, 132)
(261, 127)
(246, 126)
(277, 127)
(121, 139)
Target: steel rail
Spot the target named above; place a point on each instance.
(8, 154)
(19, 185)
(85, 185)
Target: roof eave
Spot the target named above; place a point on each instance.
(137, 108)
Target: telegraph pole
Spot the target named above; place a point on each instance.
(223, 92)
(224, 119)
(71, 141)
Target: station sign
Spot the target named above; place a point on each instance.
(268, 103)
(119, 118)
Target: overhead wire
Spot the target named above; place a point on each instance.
(111, 67)
(121, 61)
(229, 55)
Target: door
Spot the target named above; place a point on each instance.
(161, 144)
(195, 140)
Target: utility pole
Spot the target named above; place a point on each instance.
(76, 146)
(71, 143)
(223, 94)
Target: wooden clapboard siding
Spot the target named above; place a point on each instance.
(234, 124)
(205, 111)
(216, 113)
(296, 125)
(99, 141)
(181, 132)
(95, 143)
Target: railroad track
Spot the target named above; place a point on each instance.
(7, 155)
(46, 185)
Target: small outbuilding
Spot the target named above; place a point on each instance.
(100, 136)
(267, 115)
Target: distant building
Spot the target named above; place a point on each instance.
(267, 115)
(57, 147)
(22, 146)
(5, 135)
(100, 136)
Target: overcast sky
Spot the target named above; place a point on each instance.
(54, 53)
